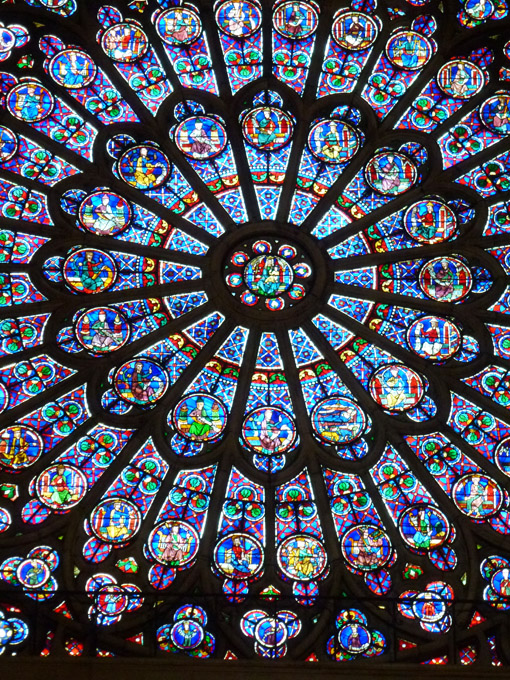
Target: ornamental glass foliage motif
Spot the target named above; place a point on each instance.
(255, 329)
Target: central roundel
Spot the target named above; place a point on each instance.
(269, 273)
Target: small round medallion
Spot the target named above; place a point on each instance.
(269, 430)
(355, 638)
(125, 42)
(238, 18)
(239, 556)
(141, 381)
(477, 496)
(366, 547)
(178, 26)
(173, 544)
(61, 486)
(408, 50)
(89, 270)
(391, 173)
(267, 128)
(187, 634)
(105, 213)
(333, 141)
(33, 573)
(424, 527)
(30, 102)
(295, 20)
(115, 520)
(445, 279)
(144, 167)
(354, 31)
(201, 137)
(72, 69)
(434, 338)
(396, 387)
(20, 447)
(428, 607)
(460, 79)
(495, 113)
(102, 329)
(302, 557)
(200, 417)
(430, 221)
(338, 420)
(268, 275)
(8, 144)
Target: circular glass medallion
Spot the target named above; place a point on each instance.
(424, 527)
(200, 417)
(445, 279)
(187, 634)
(105, 213)
(29, 101)
(460, 79)
(141, 381)
(396, 387)
(61, 486)
(111, 600)
(390, 173)
(5, 522)
(173, 544)
(115, 520)
(239, 19)
(239, 556)
(495, 113)
(338, 420)
(366, 547)
(8, 144)
(502, 456)
(72, 69)
(7, 39)
(408, 50)
(201, 137)
(355, 638)
(434, 338)
(479, 9)
(89, 270)
(33, 573)
(354, 31)
(268, 275)
(20, 447)
(430, 221)
(102, 330)
(178, 26)
(477, 496)
(500, 582)
(302, 557)
(295, 20)
(428, 607)
(333, 141)
(269, 430)
(271, 632)
(144, 167)
(267, 128)
(124, 42)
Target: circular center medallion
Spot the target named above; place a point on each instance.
(268, 273)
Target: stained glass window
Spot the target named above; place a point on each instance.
(255, 329)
